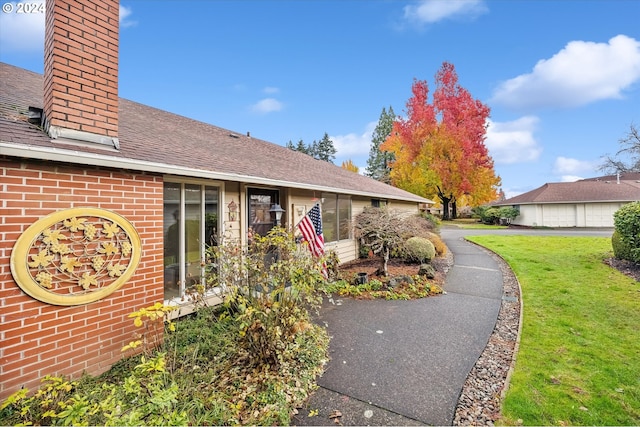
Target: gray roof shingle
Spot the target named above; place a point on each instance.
(158, 137)
(594, 190)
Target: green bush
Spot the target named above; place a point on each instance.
(147, 397)
(492, 215)
(621, 250)
(273, 296)
(626, 221)
(419, 249)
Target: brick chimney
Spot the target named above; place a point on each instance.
(81, 71)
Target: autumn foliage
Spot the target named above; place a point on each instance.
(439, 147)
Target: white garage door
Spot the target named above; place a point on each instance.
(559, 215)
(600, 214)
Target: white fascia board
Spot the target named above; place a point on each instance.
(93, 159)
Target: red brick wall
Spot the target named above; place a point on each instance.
(37, 338)
(81, 65)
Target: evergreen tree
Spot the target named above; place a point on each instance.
(302, 147)
(378, 161)
(324, 150)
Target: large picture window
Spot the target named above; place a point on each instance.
(191, 213)
(336, 217)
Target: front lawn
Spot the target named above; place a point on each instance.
(580, 346)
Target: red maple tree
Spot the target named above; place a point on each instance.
(439, 147)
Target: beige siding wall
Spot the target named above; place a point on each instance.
(296, 203)
(406, 208)
(568, 215)
(233, 229)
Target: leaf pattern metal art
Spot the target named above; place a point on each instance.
(75, 256)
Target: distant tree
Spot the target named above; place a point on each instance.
(630, 144)
(378, 161)
(324, 150)
(300, 146)
(350, 166)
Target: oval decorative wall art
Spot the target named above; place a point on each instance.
(76, 256)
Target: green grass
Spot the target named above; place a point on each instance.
(472, 223)
(579, 357)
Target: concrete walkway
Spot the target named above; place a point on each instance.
(405, 362)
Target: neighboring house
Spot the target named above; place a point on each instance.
(586, 203)
(108, 205)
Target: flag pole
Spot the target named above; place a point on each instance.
(305, 214)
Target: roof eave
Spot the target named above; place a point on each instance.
(562, 202)
(93, 159)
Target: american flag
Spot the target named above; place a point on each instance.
(311, 229)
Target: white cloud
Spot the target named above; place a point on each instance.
(431, 11)
(513, 142)
(267, 105)
(270, 90)
(581, 73)
(21, 32)
(570, 178)
(125, 12)
(24, 32)
(571, 170)
(353, 145)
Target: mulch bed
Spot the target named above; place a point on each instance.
(628, 268)
(395, 267)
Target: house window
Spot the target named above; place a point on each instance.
(191, 213)
(336, 217)
(376, 203)
(261, 200)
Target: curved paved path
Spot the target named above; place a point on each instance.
(405, 362)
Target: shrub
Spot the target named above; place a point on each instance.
(382, 230)
(626, 221)
(148, 396)
(438, 244)
(419, 249)
(621, 249)
(272, 295)
(418, 225)
(432, 219)
(492, 215)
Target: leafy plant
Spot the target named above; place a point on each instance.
(621, 249)
(146, 397)
(382, 230)
(493, 215)
(272, 298)
(419, 249)
(626, 221)
(376, 289)
(150, 319)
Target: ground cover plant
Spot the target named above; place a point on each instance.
(577, 362)
(251, 361)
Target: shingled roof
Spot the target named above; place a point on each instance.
(158, 141)
(585, 191)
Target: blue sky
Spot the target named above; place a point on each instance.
(562, 78)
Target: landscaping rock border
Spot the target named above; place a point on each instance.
(481, 396)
